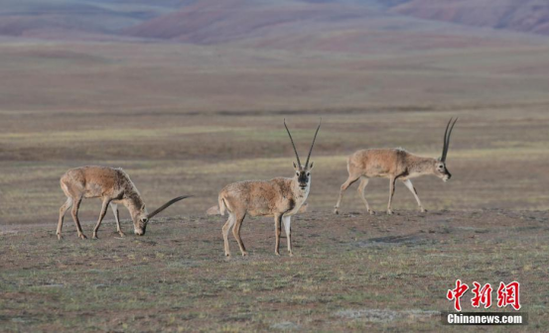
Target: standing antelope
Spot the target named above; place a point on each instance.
(394, 164)
(278, 197)
(113, 186)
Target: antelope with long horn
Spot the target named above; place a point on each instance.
(279, 197)
(394, 164)
(114, 187)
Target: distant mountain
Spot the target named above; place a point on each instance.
(206, 22)
(520, 15)
(363, 26)
(346, 25)
(58, 19)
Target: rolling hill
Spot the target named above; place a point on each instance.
(526, 16)
(282, 23)
(327, 26)
(77, 18)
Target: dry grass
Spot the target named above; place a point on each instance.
(184, 119)
(357, 272)
(498, 158)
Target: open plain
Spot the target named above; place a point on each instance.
(188, 113)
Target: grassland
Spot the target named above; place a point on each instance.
(355, 272)
(495, 163)
(188, 119)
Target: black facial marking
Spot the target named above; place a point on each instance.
(303, 179)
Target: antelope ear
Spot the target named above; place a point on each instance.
(142, 207)
(294, 165)
(310, 165)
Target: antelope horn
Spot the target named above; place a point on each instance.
(166, 205)
(293, 145)
(447, 138)
(313, 143)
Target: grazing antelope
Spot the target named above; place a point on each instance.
(394, 164)
(278, 197)
(113, 186)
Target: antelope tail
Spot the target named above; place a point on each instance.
(221, 204)
(218, 209)
(214, 210)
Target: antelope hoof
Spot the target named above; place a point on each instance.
(227, 254)
(82, 236)
(290, 254)
(422, 210)
(94, 236)
(371, 212)
(336, 211)
(59, 237)
(244, 254)
(390, 212)
(277, 253)
(121, 234)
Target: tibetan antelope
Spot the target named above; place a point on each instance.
(113, 186)
(394, 164)
(278, 197)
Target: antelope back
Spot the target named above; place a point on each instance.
(258, 197)
(378, 162)
(96, 181)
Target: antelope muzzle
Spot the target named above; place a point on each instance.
(141, 231)
(303, 180)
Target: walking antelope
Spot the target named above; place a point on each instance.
(394, 164)
(113, 186)
(278, 197)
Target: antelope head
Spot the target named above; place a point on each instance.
(141, 217)
(303, 171)
(440, 168)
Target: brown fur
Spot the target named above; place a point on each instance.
(215, 210)
(279, 198)
(261, 198)
(393, 164)
(112, 185)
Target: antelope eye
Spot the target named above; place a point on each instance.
(308, 174)
(298, 174)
